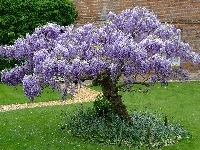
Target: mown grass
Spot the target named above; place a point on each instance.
(179, 101)
(15, 95)
(40, 128)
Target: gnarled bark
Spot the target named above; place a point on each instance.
(110, 91)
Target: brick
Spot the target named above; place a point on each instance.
(185, 14)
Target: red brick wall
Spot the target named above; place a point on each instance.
(167, 10)
(184, 14)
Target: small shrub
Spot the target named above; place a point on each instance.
(147, 131)
(102, 106)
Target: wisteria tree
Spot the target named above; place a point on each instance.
(131, 43)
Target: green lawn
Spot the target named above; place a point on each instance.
(15, 95)
(179, 101)
(39, 128)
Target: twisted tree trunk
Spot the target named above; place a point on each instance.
(110, 91)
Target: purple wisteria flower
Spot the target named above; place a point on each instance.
(133, 42)
(31, 86)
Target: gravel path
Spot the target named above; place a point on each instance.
(83, 94)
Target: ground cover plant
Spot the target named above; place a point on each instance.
(40, 128)
(132, 43)
(147, 130)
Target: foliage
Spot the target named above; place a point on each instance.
(111, 129)
(133, 42)
(102, 106)
(8, 64)
(19, 17)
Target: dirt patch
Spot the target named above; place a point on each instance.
(83, 94)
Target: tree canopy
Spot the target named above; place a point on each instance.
(133, 42)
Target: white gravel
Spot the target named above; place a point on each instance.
(83, 94)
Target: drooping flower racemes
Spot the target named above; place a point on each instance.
(133, 42)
